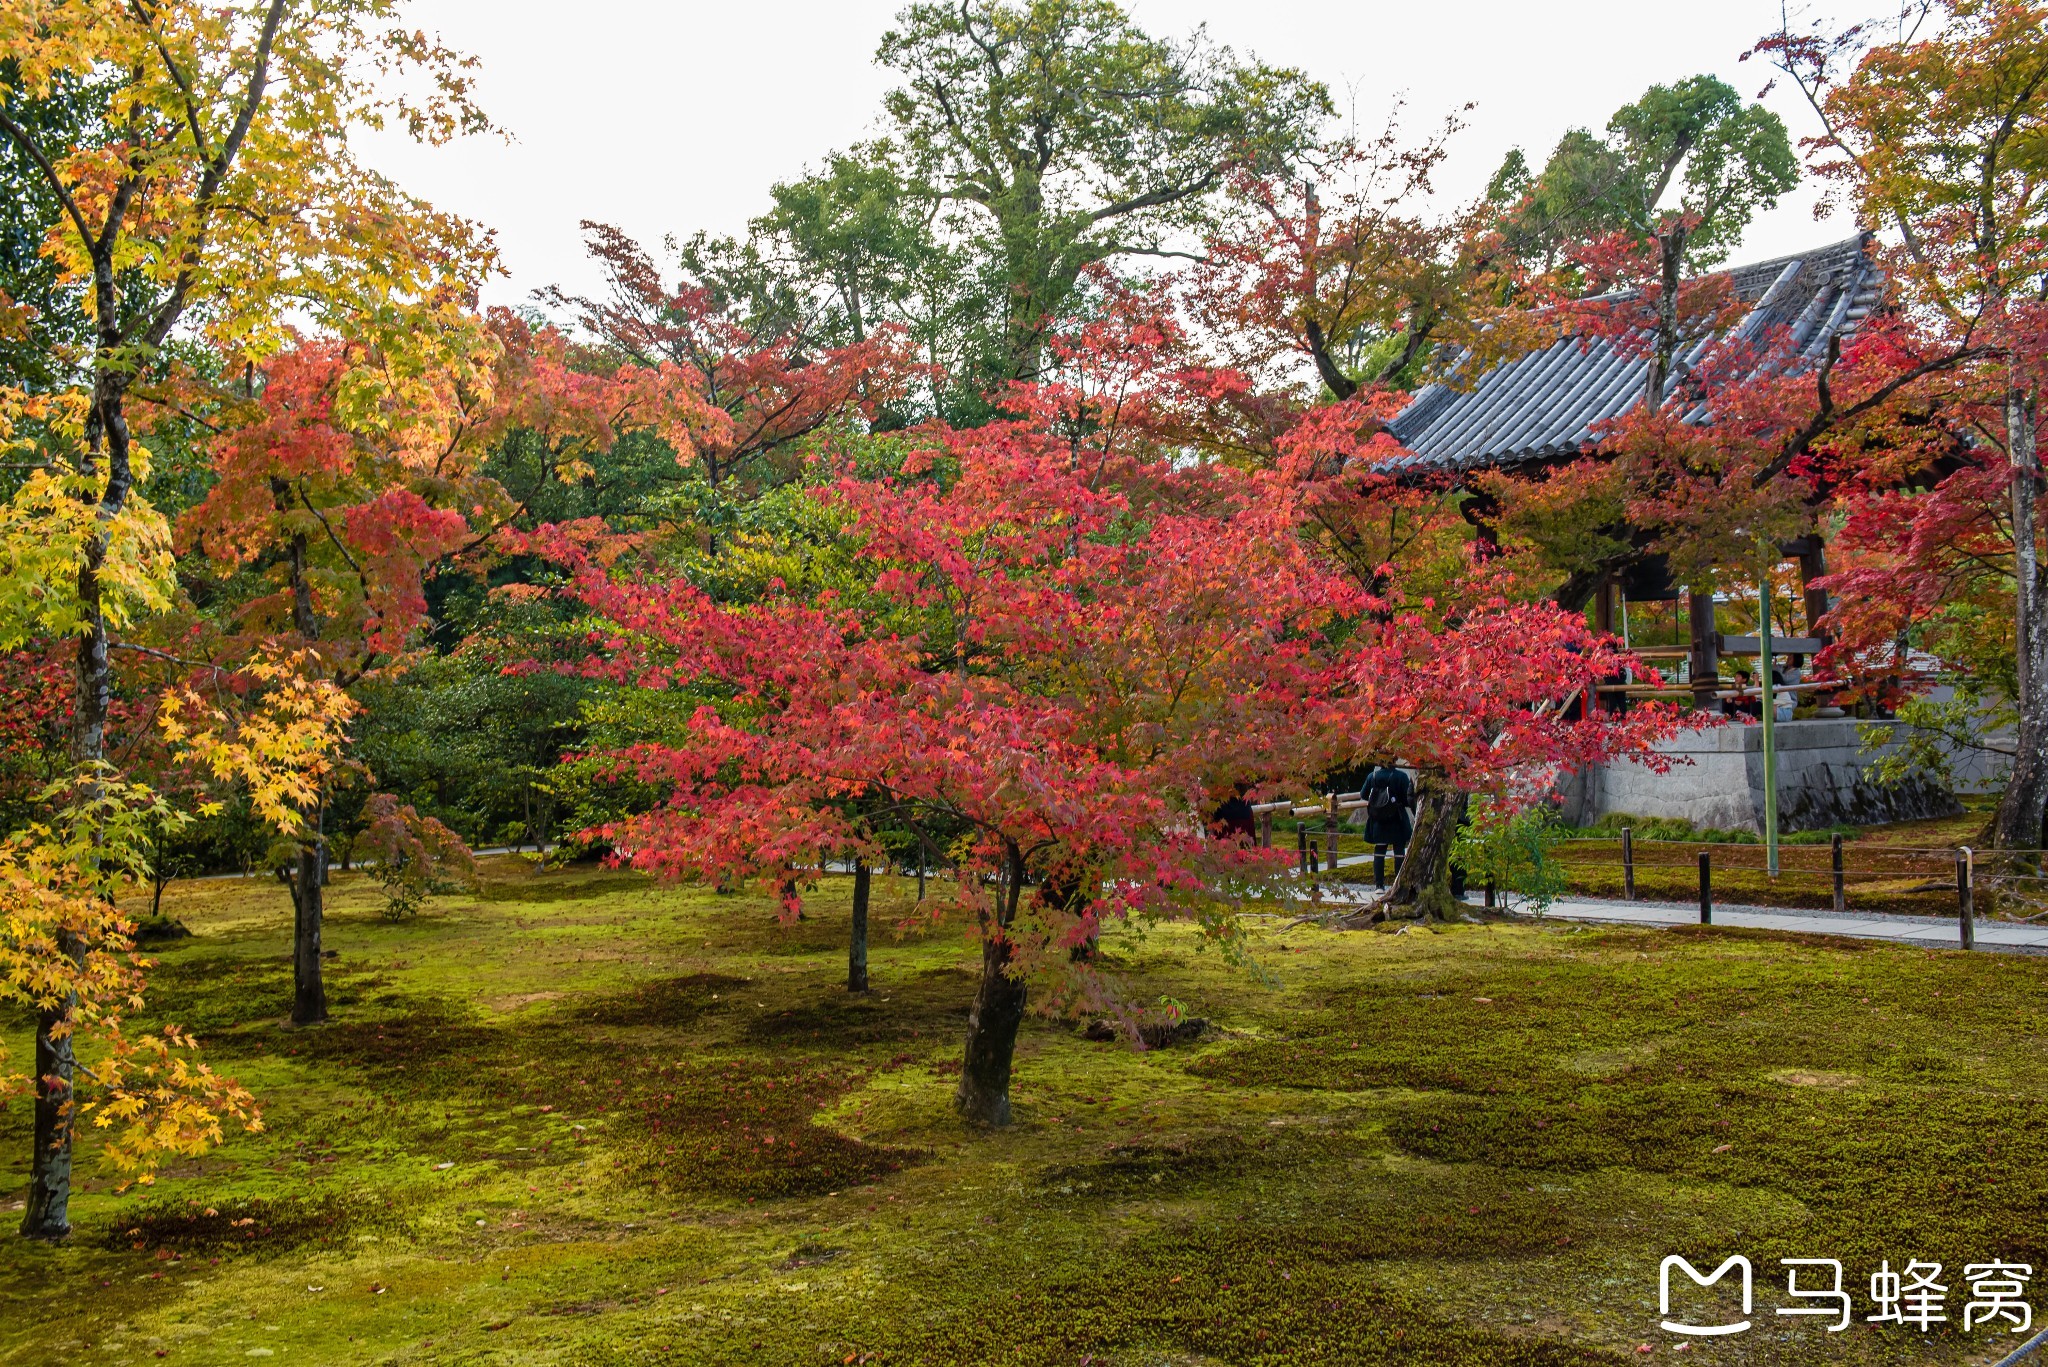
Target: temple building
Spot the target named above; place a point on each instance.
(1545, 409)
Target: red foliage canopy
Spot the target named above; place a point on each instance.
(1076, 675)
(748, 396)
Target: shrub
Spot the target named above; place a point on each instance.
(1513, 850)
(416, 856)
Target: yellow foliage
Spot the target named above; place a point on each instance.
(283, 222)
(65, 950)
(426, 388)
(280, 750)
(46, 529)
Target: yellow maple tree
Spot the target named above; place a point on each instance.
(67, 952)
(280, 750)
(217, 198)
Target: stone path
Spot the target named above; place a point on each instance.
(1933, 932)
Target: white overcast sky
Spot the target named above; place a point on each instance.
(666, 118)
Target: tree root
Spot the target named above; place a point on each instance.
(1371, 915)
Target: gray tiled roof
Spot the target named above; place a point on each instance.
(1546, 403)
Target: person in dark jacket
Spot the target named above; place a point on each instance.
(1389, 798)
(1234, 817)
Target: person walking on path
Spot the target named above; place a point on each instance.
(1389, 798)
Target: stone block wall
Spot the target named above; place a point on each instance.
(1717, 781)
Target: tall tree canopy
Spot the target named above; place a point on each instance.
(1679, 175)
(1065, 135)
(1690, 160)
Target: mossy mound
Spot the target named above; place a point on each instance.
(161, 930)
(251, 1224)
(742, 1128)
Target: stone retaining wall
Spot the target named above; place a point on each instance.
(1718, 781)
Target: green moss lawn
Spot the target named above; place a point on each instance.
(583, 1119)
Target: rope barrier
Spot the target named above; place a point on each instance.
(2024, 1351)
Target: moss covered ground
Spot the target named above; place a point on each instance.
(581, 1119)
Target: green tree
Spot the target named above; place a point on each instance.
(853, 229)
(1054, 134)
(44, 351)
(865, 251)
(1681, 172)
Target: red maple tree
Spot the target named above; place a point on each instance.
(1070, 645)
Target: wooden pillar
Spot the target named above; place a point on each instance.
(1813, 563)
(1607, 620)
(1706, 647)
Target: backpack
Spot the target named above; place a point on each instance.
(1382, 801)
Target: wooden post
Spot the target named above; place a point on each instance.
(1489, 894)
(1603, 607)
(1706, 647)
(1706, 889)
(1301, 845)
(1813, 563)
(1330, 826)
(1266, 830)
(1966, 910)
(1315, 861)
(1769, 713)
(1628, 864)
(1841, 894)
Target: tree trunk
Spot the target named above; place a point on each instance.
(47, 1213)
(2018, 823)
(1424, 882)
(309, 991)
(1340, 384)
(983, 1097)
(93, 671)
(106, 434)
(1658, 374)
(857, 949)
(309, 871)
